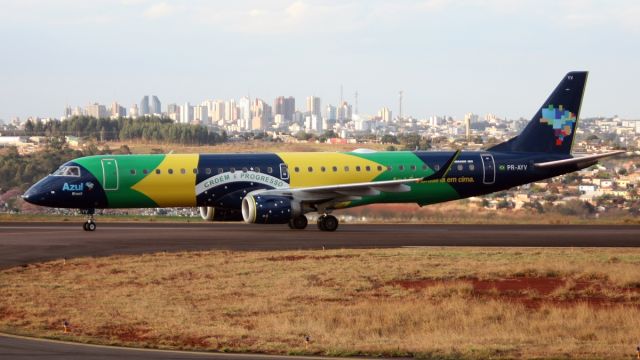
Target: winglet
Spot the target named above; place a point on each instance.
(444, 169)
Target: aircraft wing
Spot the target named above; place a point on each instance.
(582, 160)
(354, 191)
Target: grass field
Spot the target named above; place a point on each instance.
(424, 302)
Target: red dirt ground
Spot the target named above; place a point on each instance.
(534, 292)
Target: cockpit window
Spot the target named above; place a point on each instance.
(67, 171)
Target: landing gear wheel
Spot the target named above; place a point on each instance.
(327, 223)
(89, 226)
(298, 223)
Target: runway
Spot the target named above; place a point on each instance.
(24, 243)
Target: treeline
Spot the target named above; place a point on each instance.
(144, 128)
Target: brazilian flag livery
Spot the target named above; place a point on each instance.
(282, 187)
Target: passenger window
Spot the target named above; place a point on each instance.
(379, 167)
(472, 167)
(460, 167)
(183, 171)
(195, 171)
(424, 166)
(310, 169)
(158, 171)
(207, 171)
(170, 171)
(368, 168)
(323, 169)
(133, 171)
(335, 169)
(436, 167)
(346, 169)
(269, 170)
(244, 169)
(357, 168)
(296, 169)
(401, 167)
(232, 170)
(145, 171)
(389, 168)
(256, 169)
(220, 170)
(413, 168)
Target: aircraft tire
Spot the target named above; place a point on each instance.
(298, 223)
(328, 223)
(91, 226)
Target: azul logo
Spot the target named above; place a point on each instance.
(562, 122)
(89, 185)
(73, 187)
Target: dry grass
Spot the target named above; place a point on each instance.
(425, 302)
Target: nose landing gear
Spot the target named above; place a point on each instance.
(90, 224)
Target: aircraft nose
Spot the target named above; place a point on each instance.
(36, 195)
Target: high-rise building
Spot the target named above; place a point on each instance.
(284, 106)
(331, 113)
(200, 114)
(218, 111)
(261, 115)
(156, 107)
(468, 119)
(68, 112)
(230, 110)
(117, 111)
(345, 112)
(173, 111)
(134, 111)
(313, 123)
(313, 106)
(186, 113)
(245, 117)
(97, 111)
(385, 114)
(144, 106)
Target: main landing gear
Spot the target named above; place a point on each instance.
(327, 222)
(298, 222)
(90, 224)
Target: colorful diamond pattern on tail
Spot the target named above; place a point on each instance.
(562, 121)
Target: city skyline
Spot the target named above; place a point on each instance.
(447, 57)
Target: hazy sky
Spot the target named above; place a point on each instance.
(449, 57)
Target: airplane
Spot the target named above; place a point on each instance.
(280, 188)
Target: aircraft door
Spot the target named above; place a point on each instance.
(488, 169)
(110, 179)
(284, 172)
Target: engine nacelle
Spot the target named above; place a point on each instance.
(210, 213)
(267, 209)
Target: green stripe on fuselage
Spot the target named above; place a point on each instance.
(421, 193)
(125, 196)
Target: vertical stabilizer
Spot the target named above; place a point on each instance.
(552, 128)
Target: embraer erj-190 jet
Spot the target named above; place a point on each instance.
(280, 188)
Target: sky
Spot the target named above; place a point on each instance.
(448, 57)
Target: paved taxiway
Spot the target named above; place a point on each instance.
(23, 243)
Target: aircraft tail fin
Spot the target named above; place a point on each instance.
(552, 128)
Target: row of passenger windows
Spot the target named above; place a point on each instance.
(269, 169)
(207, 171)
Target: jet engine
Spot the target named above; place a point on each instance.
(268, 209)
(210, 213)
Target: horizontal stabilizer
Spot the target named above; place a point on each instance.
(583, 160)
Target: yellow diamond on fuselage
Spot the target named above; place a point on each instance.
(175, 184)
